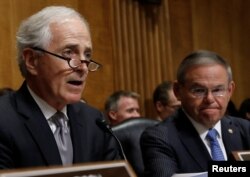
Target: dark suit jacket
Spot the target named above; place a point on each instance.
(26, 139)
(174, 146)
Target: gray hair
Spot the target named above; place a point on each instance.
(202, 57)
(35, 30)
(112, 101)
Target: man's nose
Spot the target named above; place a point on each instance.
(136, 114)
(209, 97)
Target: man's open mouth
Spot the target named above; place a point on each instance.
(75, 82)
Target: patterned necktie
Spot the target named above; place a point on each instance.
(216, 151)
(62, 137)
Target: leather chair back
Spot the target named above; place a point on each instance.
(129, 133)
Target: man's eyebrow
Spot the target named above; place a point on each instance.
(202, 86)
(197, 85)
(71, 46)
(74, 46)
(88, 49)
(219, 86)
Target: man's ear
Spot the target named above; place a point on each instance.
(159, 106)
(248, 115)
(112, 115)
(30, 60)
(231, 87)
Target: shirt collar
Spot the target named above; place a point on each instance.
(47, 110)
(201, 129)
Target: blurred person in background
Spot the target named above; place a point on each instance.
(231, 109)
(165, 101)
(244, 110)
(122, 105)
(5, 90)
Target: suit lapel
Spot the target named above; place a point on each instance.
(231, 136)
(77, 131)
(38, 126)
(192, 141)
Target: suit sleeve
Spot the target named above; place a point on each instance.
(244, 128)
(6, 154)
(158, 156)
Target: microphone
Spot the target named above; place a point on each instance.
(106, 127)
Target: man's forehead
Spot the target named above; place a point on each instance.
(67, 37)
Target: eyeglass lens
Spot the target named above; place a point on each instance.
(73, 63)
(203, 92)
(92, 66)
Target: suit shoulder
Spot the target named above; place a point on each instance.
(85, 110)
(7, 106)
(162, 129)
(238, 122)
(84, 106)
(5, 100)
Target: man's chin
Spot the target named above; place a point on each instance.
(73, 99)
(210, 121)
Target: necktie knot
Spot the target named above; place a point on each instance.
(212, 135)
(62, 137)
(216, 151)
(60, 120)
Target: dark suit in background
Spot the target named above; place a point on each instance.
(27, 140)
(175, 146)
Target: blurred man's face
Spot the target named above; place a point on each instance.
(166, 110)
(54, 80)
(205, 94)
(127, 108)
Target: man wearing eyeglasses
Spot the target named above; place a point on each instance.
(199, 131)
(45, 123)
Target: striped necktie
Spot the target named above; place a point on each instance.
(62, 137)
(216, 152)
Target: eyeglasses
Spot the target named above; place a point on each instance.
(200, 92)
(72, 62)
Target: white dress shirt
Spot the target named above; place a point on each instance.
(47, 110)
(202, 131)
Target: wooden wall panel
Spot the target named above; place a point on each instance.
(99, 84)
(142, 57)
(240, 49)
(142, 45)
(165, 34)
(181, 35)
(6, 46)
(222, 26)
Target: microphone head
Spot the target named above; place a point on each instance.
(106, 127)
(102, 123)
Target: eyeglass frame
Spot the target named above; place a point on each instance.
(220, 89)
(69, 59)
